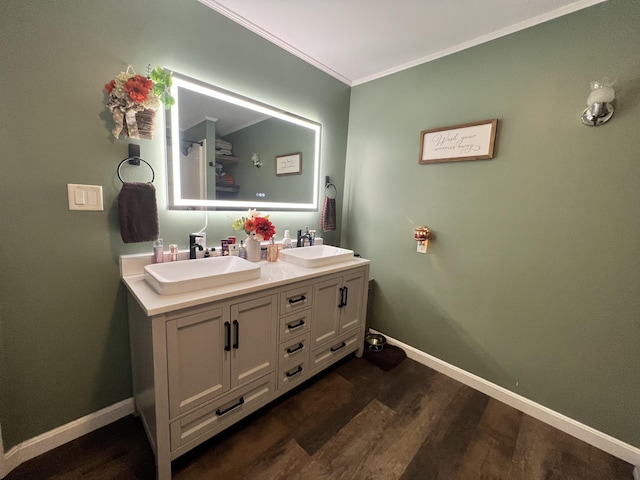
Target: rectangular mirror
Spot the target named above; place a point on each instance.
(226, 152)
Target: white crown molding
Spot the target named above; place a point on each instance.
(579, 5)
(583, 432)
(531, 22)
(273, 39)
(59, 436)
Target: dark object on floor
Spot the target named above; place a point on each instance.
(387, 358)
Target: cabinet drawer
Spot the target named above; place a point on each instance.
(217, 415)
(293, 374)
(294, 351)
(294, 325)
(327, 354)
(296, 299)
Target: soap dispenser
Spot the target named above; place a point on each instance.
(158, 251)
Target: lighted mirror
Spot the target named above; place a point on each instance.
(225, 151)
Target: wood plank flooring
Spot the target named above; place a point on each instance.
(353, 422)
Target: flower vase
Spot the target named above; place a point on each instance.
(253, 249)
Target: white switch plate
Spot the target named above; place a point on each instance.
(85, 197)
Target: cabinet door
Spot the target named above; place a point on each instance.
(351, 311)
(326, 310)
(197, 362)
(254, 329)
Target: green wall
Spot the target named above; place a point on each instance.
(65, 348)
(533, 280)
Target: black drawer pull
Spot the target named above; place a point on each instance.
(294, 373)
(346, 295)
(302, 298)
(292, 326)
(335, 349)
(294, 350)
(227, 410)
(227, 335)
(236, 326)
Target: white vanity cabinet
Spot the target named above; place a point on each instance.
(337, 316)
(202, 361)
(221, 347)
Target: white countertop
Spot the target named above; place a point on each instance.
(272, 274)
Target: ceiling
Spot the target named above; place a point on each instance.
(360, 40)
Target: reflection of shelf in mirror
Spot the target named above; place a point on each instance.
(229, 189)
(227, 159)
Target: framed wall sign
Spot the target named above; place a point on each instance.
(290, 164)
(469, 141)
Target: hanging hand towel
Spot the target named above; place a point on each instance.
(328, 214)
(138, 212)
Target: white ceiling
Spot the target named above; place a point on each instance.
(360, 40)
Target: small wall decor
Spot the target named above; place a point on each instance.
(469, 141)
(290, 164)
(133, 100)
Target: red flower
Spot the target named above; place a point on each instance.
(138, 88)
(250, 225)
(110, 86)
(265, 228)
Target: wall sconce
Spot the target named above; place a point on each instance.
(422, 235)
(599, 109)
(255, 158)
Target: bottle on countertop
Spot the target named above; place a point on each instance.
(173, 250)
(286, 241)
(158, 251)
(242, 251)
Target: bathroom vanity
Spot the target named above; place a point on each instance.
(203, 360)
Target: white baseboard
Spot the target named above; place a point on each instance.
(600, 440)
(59, 436)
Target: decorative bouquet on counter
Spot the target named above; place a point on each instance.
(134, 99)
(255, 225)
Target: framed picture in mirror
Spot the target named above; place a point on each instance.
(290, 164)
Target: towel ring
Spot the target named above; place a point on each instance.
(326, 189)
(335, 190)
(136, 161)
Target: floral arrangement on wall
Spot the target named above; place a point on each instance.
(133, 100)
(255, 226)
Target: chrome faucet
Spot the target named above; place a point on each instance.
(195, 241)
(304, 236)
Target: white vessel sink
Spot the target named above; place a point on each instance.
(189, 275)
(316, 256)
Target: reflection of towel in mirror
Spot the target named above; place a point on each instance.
(328, 214)
(138, 212)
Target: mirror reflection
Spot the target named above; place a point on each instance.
(226, 152)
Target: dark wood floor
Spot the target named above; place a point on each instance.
(355, 421)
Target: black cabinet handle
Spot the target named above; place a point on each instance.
(294, 350)
(294, 373)
(227, 410)
(345, 293)
(292, 326)
(236, 327)
(227, 335)
(335, 349)
(302, 298)
(341, 304)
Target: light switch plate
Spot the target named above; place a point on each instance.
(85, 197)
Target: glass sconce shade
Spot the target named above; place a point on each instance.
(599, 109)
